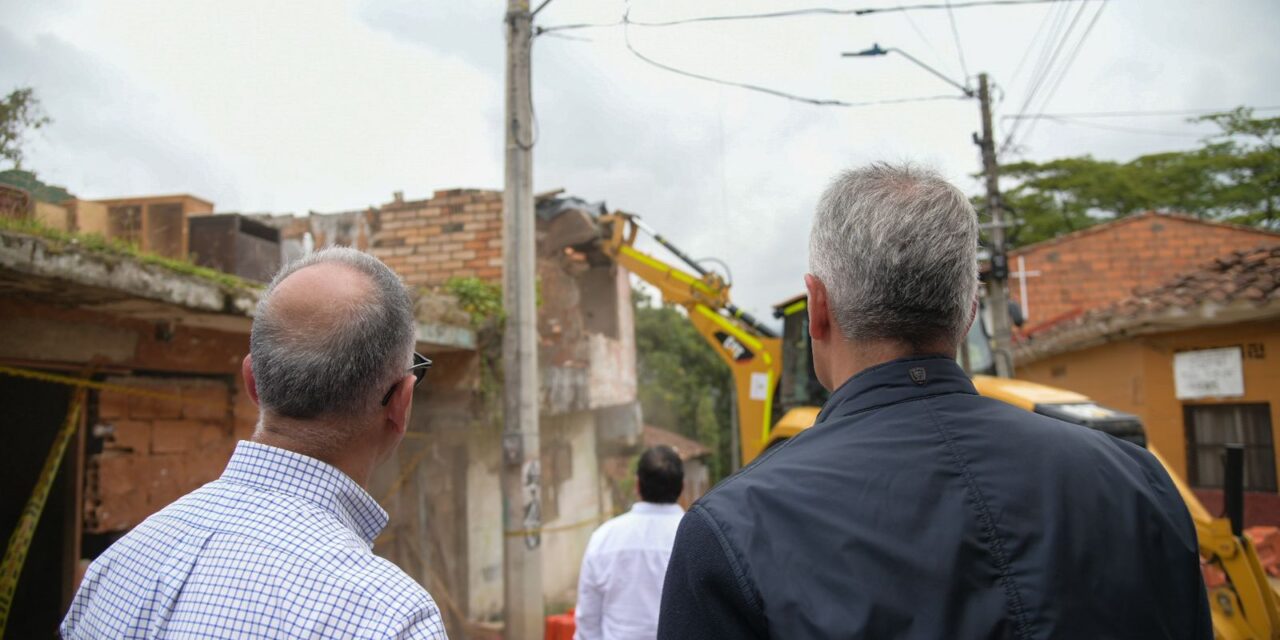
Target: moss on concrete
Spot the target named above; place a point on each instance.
(57, 240)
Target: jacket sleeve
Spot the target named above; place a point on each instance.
(706, 593)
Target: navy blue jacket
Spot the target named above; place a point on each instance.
(914, 508)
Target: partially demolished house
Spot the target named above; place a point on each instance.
(161, 342)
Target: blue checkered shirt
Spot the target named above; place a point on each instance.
(279, 547)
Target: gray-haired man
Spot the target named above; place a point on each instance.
(914, 508)
(280, 545)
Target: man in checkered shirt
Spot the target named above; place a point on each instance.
(281, 545)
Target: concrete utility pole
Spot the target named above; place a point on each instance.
(997, 296)
(521, 470)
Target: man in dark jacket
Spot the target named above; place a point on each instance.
(915, 508)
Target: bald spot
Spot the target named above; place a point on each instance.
(317, 298)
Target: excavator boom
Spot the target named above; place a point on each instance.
(752, 351)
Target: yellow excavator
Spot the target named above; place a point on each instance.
(778, 396)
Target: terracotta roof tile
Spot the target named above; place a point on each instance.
(686, 447)
(1250, 278)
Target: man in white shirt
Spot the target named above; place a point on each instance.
(620, 587)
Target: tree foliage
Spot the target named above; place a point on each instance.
(683, 385)
(1233, 176)
(20, 113)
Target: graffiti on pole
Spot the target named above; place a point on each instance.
(531, 491)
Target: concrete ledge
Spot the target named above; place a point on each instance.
(446, 336)
(66, 262)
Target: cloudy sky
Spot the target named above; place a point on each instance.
(327, 105)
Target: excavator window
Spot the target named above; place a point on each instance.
(975, 355)
(799, 386)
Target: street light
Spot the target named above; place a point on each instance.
(876, 50)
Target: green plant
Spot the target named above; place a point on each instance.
(59, 240)
(481, 299)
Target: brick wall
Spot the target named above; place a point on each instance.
(454, 233)
(157, 450)
(1104, 264)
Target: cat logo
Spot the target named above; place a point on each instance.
(738, 351)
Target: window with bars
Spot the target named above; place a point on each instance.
(1211, 426)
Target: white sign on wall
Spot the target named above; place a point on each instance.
(1208, 373)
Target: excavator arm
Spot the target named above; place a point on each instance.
(752, 351)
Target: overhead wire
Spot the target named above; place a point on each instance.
(821, 102)
(955, 33)
(1066, 67)
(928, 43)
(1042, 77)
(1031, 45)
(791, 13)
(1057, 23)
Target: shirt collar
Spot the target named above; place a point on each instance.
(654, 508)
(283, 471)
(897, 381)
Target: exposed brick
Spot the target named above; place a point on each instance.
(175, 436)
(117, 514)
(115, 473)
(205, 401)
(129, 435)
(150, 407)
(112, 404)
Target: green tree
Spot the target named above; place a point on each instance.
(20, 113)
(683, 384)
(1233, 176)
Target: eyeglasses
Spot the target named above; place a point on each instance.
(419, 369)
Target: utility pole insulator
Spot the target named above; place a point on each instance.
(997, 294)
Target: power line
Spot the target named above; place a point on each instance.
(1056, 33)
(1070, 60)
(964, 68)
(907, 14)
(815, 11)
(1043, 76)
(1131, 114)
(1030, 46)
(821, 102)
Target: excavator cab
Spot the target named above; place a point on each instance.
(798, 385)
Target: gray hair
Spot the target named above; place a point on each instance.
(896, 248)
(342, 371)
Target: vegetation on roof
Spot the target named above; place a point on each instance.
(96, 244)
(27, 181)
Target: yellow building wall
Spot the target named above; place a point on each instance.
(53, 216)
(1136, 376)
(90, 217)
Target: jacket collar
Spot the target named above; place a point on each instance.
(897, 381)
(304, 477)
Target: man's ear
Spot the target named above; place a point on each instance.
(250, 382)
(397, 409)
(819, 312)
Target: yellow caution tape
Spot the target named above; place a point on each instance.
(520, 533)
(71, 381)
(15, 554)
